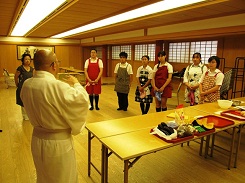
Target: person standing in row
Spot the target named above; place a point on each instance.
(93, 69)
(161, 82)
(211, 81)
(143, 90)
(192, 76)
(56, 109)
(123, 74)
(22, 73)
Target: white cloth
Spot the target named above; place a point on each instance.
(148, 68)
(194, 69)
(93, 61)
(169, 66)
(54, 106)
(125, 65)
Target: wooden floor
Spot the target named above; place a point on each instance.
(174, 165)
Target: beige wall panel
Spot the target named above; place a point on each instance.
(130, 34)
(233, 47)
(8, 58)
(88, 40)
(70, 56)
(227, 21)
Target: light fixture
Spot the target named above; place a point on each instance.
(143, 11)
(34, 12)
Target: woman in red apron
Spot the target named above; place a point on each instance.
(211, 81)
(93, 71)
(162, 75)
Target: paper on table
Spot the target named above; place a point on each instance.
(240, 107)
(218, 112)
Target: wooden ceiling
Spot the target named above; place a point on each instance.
(81, 12)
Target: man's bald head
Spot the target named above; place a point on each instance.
(43, 59)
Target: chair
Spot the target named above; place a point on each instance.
(227, 84)
(8, 78)
(180, 74)
(176, 93)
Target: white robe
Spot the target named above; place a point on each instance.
(54, 106)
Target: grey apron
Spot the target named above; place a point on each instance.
(122, 80)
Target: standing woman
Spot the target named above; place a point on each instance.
(93, 69)
(143, 90)
(211, 81)
(192, 76)
(22, 73)
(123, 74)
(162, 75)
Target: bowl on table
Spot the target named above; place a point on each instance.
(225, 104)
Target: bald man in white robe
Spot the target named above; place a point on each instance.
(57, 110)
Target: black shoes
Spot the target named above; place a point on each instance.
(92, 108)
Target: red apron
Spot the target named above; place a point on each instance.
(161, 77)
(93, 72)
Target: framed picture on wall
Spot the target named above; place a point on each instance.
(21, 49)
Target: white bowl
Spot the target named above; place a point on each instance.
(225, 104)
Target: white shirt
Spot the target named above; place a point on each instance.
(169, 67)
(125, 65)
(218, 79)
(54, 104)
(141, 68)
(194, 69)
(93, 61)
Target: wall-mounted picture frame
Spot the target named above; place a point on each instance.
(21, 49)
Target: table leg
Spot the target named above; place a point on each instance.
(201, 145)
(104, 164)
(207, 146)
(238, 144)
(126, 171)
(89, 153)
(232, 146)
(212, 145)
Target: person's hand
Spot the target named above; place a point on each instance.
(156, 89)
(141, 89)
(161, 89)
(188, 86)
(71, 80)
(202, 94)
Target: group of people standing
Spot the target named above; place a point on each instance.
(150, 82)
(202, 83)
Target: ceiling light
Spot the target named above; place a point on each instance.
(143, 11)
(34, 12)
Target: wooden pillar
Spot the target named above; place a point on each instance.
(159, 47)
(105, 61)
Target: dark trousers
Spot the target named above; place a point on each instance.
(122, 100)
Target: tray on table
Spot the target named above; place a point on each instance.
(233, 114)
(219, 122)
(178, 139)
